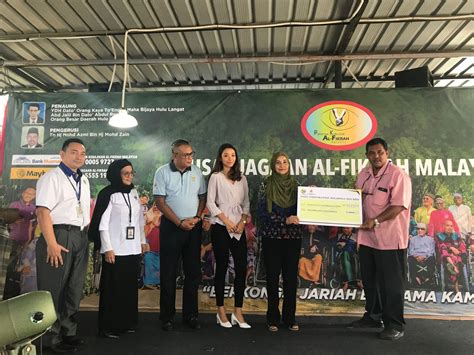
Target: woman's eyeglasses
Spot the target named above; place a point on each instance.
(128, 174)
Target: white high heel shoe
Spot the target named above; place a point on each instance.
(243, 325)
(223, 324)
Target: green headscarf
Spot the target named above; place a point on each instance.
(281, 189)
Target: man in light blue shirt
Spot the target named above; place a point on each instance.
(421, 256)
(180, 194)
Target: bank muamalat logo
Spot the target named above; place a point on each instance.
(338, 125)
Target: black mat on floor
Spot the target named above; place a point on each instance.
(318, 335)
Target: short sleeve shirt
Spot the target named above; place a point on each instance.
(390, 187)
(56, 192)
(181, 190)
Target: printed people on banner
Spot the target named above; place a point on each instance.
(438, 217)
(34, 112)
(311, 256)
(21, 234)
(144, 199)
(28, 264)
(423, 213)
(346, 259)
(431, 272)
(462, 215)
(180, 194)
(122, 239)
(453, 254)
(151, 258)
(252, 250)
(63, 206)
(281, 241)
(421, 258)
(208, 261)
(228, 203)
(383, 239)
(33, 137)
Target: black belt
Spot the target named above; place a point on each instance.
(68, 227)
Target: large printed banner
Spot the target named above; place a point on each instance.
(429, 132)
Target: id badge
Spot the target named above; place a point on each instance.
(130, 232)
(79, 211)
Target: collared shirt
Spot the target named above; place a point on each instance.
(422, 214)
(114, 222)
(181, 190)
(390, 187)
(463, 216)
(421, 246)
(55, 191)
(230, 198)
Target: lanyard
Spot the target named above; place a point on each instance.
(76, 191)
(129, 205)
(378, 180)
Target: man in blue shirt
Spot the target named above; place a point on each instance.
(421, 256)
(180, 194)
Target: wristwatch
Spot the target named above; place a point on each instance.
(199, 218)
(377, 223)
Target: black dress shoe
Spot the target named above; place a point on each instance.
(73, 340)
(62, 348)
(108, 334)
(167, 326)
(391, 334)
(193, 323)
(365, 322)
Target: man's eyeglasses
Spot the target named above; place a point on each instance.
(128, 174)
(186, 155)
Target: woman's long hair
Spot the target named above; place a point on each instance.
(234, 174)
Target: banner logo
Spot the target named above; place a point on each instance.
(36, 159)
(338, 125)
(27, 173)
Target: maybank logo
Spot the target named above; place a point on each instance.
(27, 173)
(338, 125)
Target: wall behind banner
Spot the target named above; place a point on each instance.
(429, 132)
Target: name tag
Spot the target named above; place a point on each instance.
(79, 211)
(130, 232)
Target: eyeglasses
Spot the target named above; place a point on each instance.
(128, 174)
(421, 229)
(186, 155)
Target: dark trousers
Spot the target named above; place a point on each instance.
(383, 276)
(281, 256)
(65, 282)
(221, 244)
(118, 303)
(176, 243)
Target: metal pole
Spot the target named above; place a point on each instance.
(303, 59)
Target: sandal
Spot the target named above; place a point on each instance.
(294, 327)
(272, 328)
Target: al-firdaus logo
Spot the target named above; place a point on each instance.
(338, 125)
